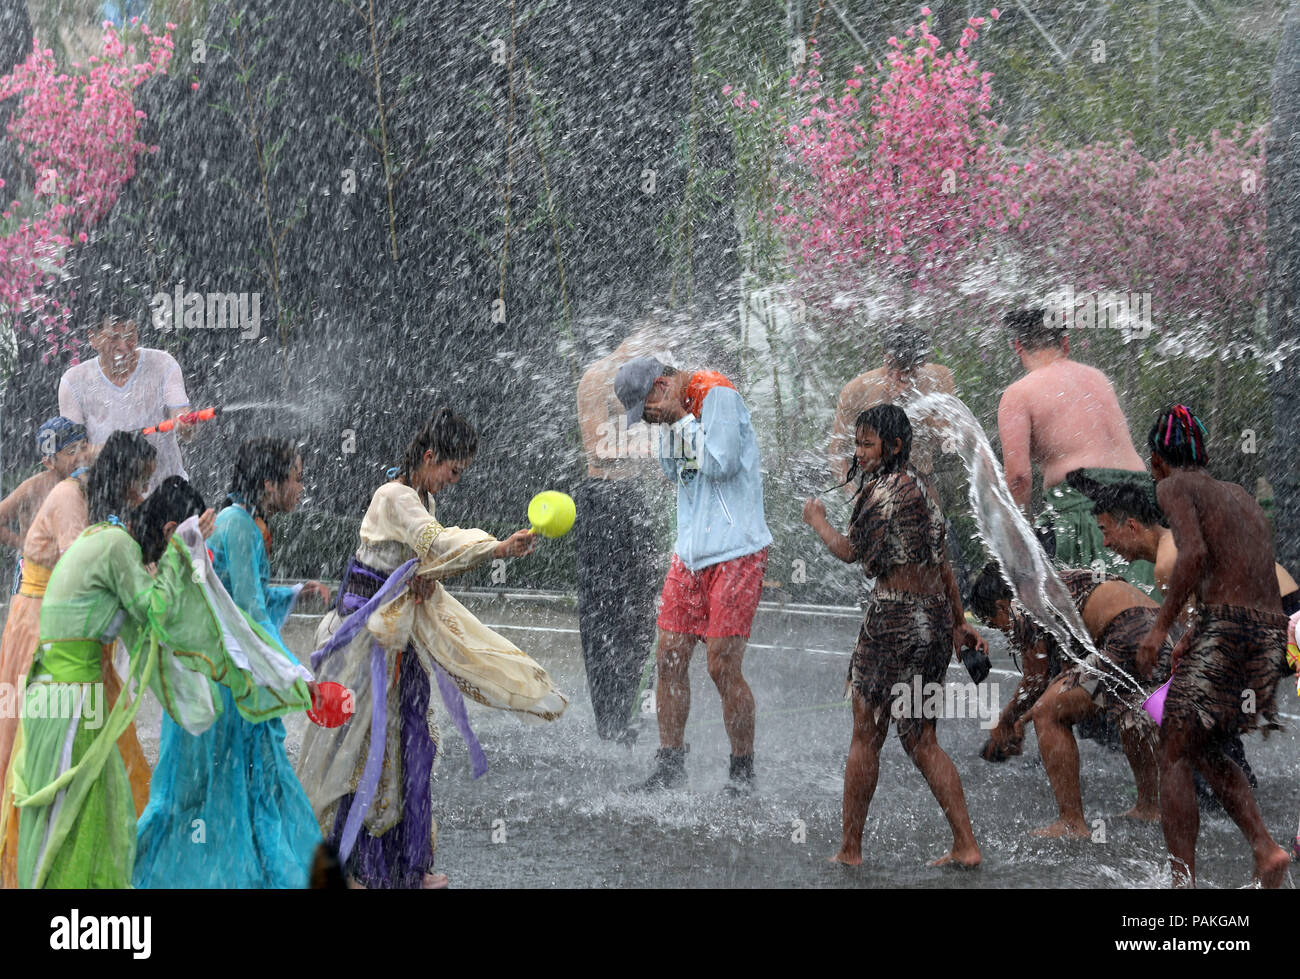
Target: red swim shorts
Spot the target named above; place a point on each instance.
(719, 600)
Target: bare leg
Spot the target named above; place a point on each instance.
(1140, 750)
(860, 775)
(725, 654)
(674, 694)
(1053, 715)
(941, 775)
(1179, 816)
(1230, 784)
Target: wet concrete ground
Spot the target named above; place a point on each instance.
(553, 810)
(555, 797)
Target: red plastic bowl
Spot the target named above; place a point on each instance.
(332, 705)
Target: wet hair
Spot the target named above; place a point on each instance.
(1178, 437)
(1029, 328)
(123, 461)
(1128, 501)
(986, 591)
(259, 460)
(906, 346)
(103, 305)
(447, 434)
(174, 501)
(326, 871)
(890, 423)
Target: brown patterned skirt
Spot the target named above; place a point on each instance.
(1227, 679)
(1118, 647)
(903, 636)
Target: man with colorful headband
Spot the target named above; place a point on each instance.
(709, 451)
(1226, 668)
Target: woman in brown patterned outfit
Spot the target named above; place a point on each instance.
(913, 622)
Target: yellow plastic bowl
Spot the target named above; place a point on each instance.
(552, 513)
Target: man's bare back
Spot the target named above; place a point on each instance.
(1224, 541)
(882, 386)
(21, 505)
(613, 450)
(1061, 417)
(1108, 600)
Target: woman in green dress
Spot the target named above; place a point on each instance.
(183, 633)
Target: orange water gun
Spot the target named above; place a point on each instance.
(189, 418)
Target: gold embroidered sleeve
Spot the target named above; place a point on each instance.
(424, 539)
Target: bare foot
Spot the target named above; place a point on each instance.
(434, 882)
(1061, 829)
(959, 857)
(851, 859)
(1269, 871)
(1147, 814)
(355, 885)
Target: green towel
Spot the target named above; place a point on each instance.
(1068, 513)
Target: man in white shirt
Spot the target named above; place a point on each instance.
(127, 388)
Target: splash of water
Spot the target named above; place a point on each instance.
(268, 405)
(1002, 526)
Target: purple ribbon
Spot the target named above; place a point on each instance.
(355, 622)
(451, 699)
(365, 793)
(455, 704)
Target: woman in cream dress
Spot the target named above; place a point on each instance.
(394, 635)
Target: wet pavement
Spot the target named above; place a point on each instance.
(554, 810)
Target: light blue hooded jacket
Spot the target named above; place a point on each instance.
(715, 463)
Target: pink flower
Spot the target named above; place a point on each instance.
(726, 89)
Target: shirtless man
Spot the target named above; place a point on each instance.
(1227, 667)
(1131, 523)
(615, 543)
(1117, 616)
(1132, 528)
(62, 446)
(907, 369)
(1063, 416)
(907, 351)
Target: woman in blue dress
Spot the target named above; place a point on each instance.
(225, 807)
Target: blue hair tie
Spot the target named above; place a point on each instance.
(115, 521)
(393, 471)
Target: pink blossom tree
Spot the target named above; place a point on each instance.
(1187, 227)
(900, 174)
(78, 133)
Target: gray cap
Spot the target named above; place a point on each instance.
(633, 383)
